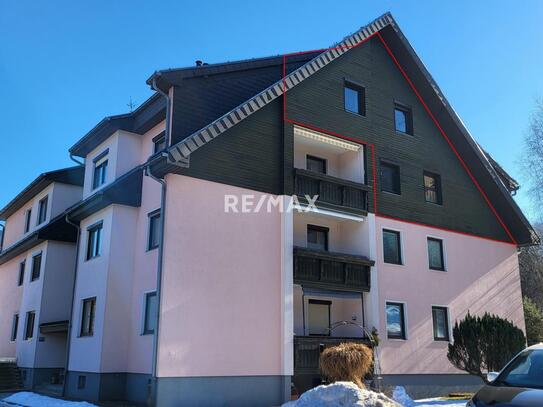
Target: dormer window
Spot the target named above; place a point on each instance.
(100, 170)
(28, 214)
(159, 143)
(42, 211)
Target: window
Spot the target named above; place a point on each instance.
(395, 320)
(432, 188)
(87, 317)
(28, 214)
(81, 381)
(149, 320)
(22, 266)
(159, 143)
(354, 97)
(435, 254)
(154, 230)
(317, 237)
(440, 320)
(316, 164)
(42, 210)
(14, 327)
(403, 119)
(319, 317)
(100, 170)
(29, 327)
(36, 267)
(94, 238)
(390, 178)
(392, 248)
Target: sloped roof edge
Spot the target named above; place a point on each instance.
(180, 151)
(71, 175)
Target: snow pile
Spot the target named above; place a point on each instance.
(400, 395)
(341, 394)
(29, 399)
(439, 402)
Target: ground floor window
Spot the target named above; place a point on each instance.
(395, 316)
(14, 327)
(149, 320)
(29, 326)
(440, 318)
(87, 317)
(319, 317)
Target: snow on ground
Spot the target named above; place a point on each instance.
(28, 399)
(400, 395)
(440, 403)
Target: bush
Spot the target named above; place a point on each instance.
(347, 362)
(534, 322)
(484, 343)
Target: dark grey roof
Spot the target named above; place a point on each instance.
(125, 190)
(57, 229)
(71, 175)
(146, 116)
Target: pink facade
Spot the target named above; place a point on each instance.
(10, 302)
(481, 276)
(226, 294)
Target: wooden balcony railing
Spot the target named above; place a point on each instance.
(334, 193)
(307, 350)
(339, 271)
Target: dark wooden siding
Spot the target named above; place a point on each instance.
(249, 155)
(319, 101)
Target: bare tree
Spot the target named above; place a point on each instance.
(532, 158)
(531, 271)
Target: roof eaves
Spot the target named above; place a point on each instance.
(41, 182)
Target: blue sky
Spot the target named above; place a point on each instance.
(66, 64)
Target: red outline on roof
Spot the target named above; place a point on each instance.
(372, 146)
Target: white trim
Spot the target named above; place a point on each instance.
(445, 262)
(287, 290)
(325, 138)
(449, 322)
(403, 261)
(405, 321)
(327, 212)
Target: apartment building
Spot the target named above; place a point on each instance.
(195, 284)
(37, 270)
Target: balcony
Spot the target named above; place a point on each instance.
(307, 350)
(333, 193)
(328, 270)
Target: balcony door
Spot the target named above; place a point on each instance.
(319, 317)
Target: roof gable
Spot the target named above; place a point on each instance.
(488, 181)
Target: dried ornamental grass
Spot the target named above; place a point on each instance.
(347, 362)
